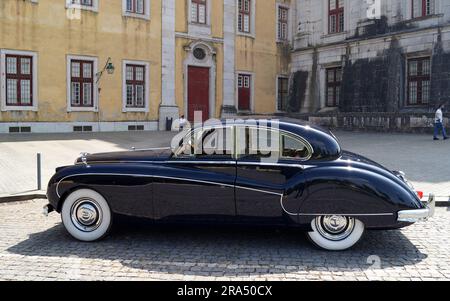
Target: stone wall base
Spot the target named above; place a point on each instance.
(379, 122)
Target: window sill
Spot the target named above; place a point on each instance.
(423, 18)
(82, 7)
(6, 108)
(337, 34)
(76, 109)
(247, 35)
(137, 16)
(283, 42)
(199, 28)
(135, 110)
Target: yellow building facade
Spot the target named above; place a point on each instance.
(119, 65)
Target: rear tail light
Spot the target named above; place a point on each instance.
(420, 194)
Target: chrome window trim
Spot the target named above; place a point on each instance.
(281, 132)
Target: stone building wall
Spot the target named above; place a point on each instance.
(373, 54)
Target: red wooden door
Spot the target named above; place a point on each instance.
(244, 92)
(198, 92)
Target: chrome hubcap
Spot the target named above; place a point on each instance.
(86, 215)
(335, 227)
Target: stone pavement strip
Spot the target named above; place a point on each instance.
(33, 247)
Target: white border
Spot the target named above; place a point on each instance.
(93, 8)
(93, 59)
(198, 28)
(145, 64)
(409, 11)
(252, 32)
(145, 16)
(252, 90)
(207, 62)
(3, 106)
(289, 30)
(326, 19)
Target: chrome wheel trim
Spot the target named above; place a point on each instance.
(86, 215)
(335, 227)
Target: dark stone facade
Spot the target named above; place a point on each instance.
(298, 90)
(374, 85)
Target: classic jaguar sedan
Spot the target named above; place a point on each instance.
(277, 172)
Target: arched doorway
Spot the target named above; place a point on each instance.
(200, 78)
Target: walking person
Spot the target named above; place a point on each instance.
(439, 123)
(183, 123)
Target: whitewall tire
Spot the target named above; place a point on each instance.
(86, 215)
(336, 233)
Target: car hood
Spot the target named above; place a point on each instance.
(158, 154)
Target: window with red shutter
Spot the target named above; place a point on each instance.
(334, 77)
(198, 11)
(244, 16)
(135, 86)
(19, 80)
(422, 8)
(335, 16)
(419, 79)
(82, 83)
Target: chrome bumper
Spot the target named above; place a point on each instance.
(413, 216)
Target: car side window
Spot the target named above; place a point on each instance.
(261, 143)
(294, 148)
(208, 143)
(257, 143)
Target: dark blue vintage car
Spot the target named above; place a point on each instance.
(276, 172)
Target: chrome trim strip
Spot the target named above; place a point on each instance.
(162, 177)
(239, 163)
(202, 162)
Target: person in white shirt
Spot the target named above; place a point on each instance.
(183, 122)
(439, 123)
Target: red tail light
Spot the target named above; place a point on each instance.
(420, 194)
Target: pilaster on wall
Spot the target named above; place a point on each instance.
(168, 107)
(229, 28)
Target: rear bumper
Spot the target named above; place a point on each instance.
(413, 216)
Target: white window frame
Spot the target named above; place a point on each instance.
(94, 60)
(288, 33)
(145, 15)
(199, 28)
(252, 89)
(277, 90)
(326, 20)
(409, 11)
(252, 20)
(3, 106)
(93, 8)
(146, 109)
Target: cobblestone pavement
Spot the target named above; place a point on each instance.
(33, 247)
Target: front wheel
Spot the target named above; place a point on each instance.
(86, 215)
(336, 233)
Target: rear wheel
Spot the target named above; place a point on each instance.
(335, 232)
(86, 215)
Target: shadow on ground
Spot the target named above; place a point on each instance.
(229, 251)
